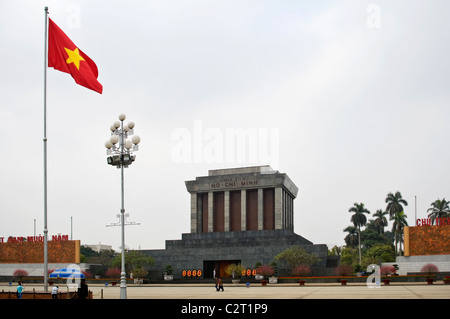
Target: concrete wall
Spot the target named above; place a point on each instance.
(34, 269)
(413, 264)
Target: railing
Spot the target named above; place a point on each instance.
(41, 295)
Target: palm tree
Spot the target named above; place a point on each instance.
(380, 221)
(359, 219)
(439, 208)
(351, 240)
(394, 208)
(399, 223)
(395, 202)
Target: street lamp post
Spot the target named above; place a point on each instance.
(120, 151)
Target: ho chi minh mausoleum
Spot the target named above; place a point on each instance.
(242, 215)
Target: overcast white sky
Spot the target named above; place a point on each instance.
(355, 95)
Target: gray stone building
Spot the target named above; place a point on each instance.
(242, 215)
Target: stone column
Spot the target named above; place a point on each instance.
(292, 213)
(194, 215)
(199, 213)
(210, 212)
(287, 211)
(226, 201)
(243, 210)
(260, 209)
(278, 208)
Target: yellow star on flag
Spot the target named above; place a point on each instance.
(74, 57)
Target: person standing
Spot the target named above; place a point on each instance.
(83, 290)
(19, 290)
(55, 292)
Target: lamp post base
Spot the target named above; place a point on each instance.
(123, 289)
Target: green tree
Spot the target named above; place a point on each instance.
(381, 220)
(100, 261)
(296, 256)
(370, 236)
(349, 256)
(234, 270)
(359, 219)
(395, 203)
(335, 251)
(140, 273)
(168, 270)
(399, 223)
(351, 240)
(134, 260)
(394, 207)
(439, 209)
(378, 254)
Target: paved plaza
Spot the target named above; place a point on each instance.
(278, 291)
(271, 301)
(258, 292)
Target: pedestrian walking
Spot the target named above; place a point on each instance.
(55, 292)
(19, 290)
(219, 284)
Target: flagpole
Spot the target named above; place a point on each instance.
(45, 154)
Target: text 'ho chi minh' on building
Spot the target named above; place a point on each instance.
(241, 215)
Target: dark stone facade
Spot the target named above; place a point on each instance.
(248, 247)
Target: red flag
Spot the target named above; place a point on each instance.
(65, 56)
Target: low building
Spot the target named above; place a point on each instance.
(98, 248)
(27, 253)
